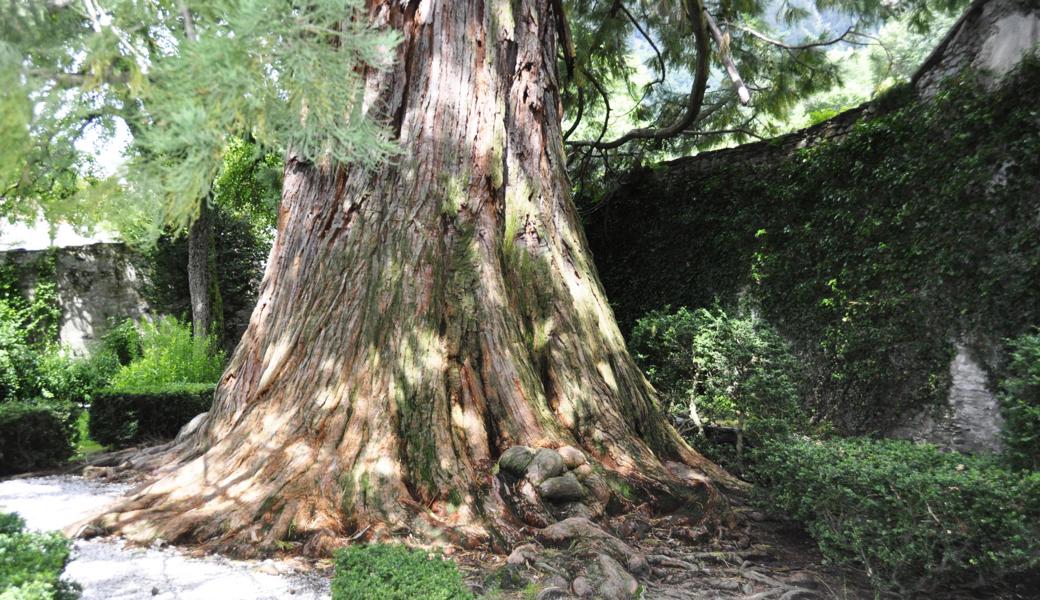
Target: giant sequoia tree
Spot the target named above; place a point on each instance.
(425, 312)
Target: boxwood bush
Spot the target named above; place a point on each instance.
(32, 437)
(124, 417)
(31, 563)
(911, 516)
(395, 572)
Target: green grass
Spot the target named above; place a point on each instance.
(85, 446)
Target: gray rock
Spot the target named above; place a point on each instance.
(615, 583)
(515, 460)
(558, 581)
(638, 564)
(523, 554)
(582, 587)
(545, 464)
(577, 509)
(598, 487)
(572, 457)
(561, 489)
(583, 471)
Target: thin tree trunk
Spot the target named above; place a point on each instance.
(419, 318)
(203, 286)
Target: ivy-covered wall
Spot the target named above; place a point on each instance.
(93, 285)
(913, 225)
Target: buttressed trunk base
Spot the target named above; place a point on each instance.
(420, 318)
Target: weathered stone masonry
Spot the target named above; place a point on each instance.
(992, 36)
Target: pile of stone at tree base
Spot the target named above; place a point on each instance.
(549, 485)
(582, 547)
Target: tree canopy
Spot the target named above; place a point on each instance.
(182, 79)
(686, 83)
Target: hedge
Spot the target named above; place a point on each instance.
(124, 417)
(32, 437)
(911, 516)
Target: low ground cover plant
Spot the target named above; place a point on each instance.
(31, 563)
(396, 572)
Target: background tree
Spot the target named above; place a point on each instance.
(644, 88)
(420, 316)
(244, 203)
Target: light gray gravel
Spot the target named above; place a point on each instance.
(109, 570)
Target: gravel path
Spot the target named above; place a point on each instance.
(108, 570)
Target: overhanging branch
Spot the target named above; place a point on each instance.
(722, 40)
(780, 44)
(697, 15)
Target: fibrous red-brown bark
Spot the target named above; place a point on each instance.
(418, 318)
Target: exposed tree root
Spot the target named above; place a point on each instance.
(510, 510)
(721, 563)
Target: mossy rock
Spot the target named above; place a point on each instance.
(516, 460)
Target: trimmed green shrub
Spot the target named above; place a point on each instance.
(170, 355)
(11, 523)
(395, 572)
(124, 417)
(914, 518)
(31, 563)
(32, 437)
(1020, 403)
(712, 368)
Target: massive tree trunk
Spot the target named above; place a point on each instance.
(203, 286)
(419, 318)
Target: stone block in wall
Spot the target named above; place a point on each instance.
(970, 421)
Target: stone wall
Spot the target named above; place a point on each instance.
(97, 284)
(971, 420)
(992, 36)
